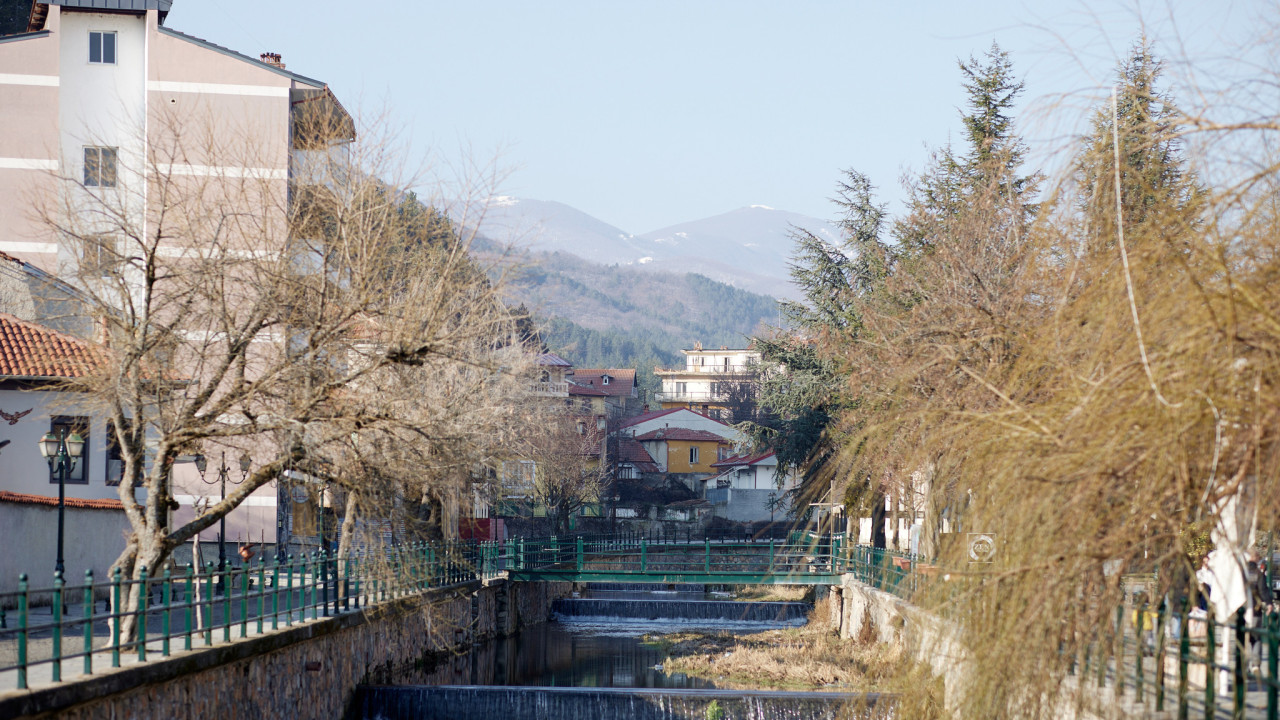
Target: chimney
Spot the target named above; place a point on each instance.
(273, 59)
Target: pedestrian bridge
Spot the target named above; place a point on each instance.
(799, 559)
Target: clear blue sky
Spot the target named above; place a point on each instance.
(646, 114)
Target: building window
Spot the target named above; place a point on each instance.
(98, 257)
(102, 48)
(693, 455)
(681, 388)
(100, 167)
(722, 452)
(115, 460)
(627, 472)
(604, 379)
(62, 423)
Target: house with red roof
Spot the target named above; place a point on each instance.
(749, 488)
(36, 363)
(619, 386)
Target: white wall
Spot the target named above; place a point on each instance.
(23, 469)
(690, 420)
(92, 539)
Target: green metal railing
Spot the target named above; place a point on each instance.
(190, 607)
(1187, 663)
(65, 625)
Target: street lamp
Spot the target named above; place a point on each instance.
(202, 464)
(61, 452)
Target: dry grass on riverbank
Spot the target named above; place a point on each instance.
(800, 658)
(773, 593)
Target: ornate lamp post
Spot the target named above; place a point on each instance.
(61, 452)
(202, 464)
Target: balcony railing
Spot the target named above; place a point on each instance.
(721, 369)
(551, 389)
(693, 397)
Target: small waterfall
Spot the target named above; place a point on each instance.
(646, 587)
(656, 609)
(466, 702)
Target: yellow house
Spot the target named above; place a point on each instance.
(684, 450)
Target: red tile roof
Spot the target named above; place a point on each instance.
(743, 459)
(25, 499)
(662, 413)
(621, 382)
(677, 433)
(31, 350)
(576, 389)
(630, 451)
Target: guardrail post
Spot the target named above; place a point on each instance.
(189, 598)
(1184, 650)
(1273, 663)
(88, 621)
(771, 556)
(1140, 643)
(142, 614)
(1161, 619)
(22, 631)
(166, 598)
(579, 553)
(262, 589)
(1238, 681)
(706, 557)
(1210, 669)
(1118, 650)
(644, 556)
(116, 616)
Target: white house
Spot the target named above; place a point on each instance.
(749, 488)
(34, 361)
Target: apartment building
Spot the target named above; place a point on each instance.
(99, 99)
(709, 380)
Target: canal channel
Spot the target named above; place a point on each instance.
(602, 656)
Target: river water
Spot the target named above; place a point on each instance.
(592, 662)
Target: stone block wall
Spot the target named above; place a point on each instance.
(307, 671)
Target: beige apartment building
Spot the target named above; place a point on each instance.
(707, 380)
(100, 97)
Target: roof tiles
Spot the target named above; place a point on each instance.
(686, 434)
(31, 350)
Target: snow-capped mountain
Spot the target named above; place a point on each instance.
(549, 226)
(748, 248)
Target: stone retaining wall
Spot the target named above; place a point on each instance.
(307, 671)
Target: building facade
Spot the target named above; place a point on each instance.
(99, 100)
(711, 381)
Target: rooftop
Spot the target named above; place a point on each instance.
(685, 434)
(744, 459)
(646, 417)
(35, 351)
(550, 359)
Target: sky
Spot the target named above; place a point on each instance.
(647, 114)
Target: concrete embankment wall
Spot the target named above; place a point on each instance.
(862, 613)
(307, 671)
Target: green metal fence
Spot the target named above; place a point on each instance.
(50, 626)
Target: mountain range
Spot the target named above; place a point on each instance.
(748, 248)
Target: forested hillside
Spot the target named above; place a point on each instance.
(622, 316)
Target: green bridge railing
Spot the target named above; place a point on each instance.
(73, 626)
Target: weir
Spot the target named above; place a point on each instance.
(659, 609)
(470, 702)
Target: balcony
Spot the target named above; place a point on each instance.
(751, 369)
(551, 389)
(690, 397)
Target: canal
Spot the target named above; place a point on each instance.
(601, 657)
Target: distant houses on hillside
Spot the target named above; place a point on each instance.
(681, 461)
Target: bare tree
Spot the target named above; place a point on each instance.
(327, 323)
